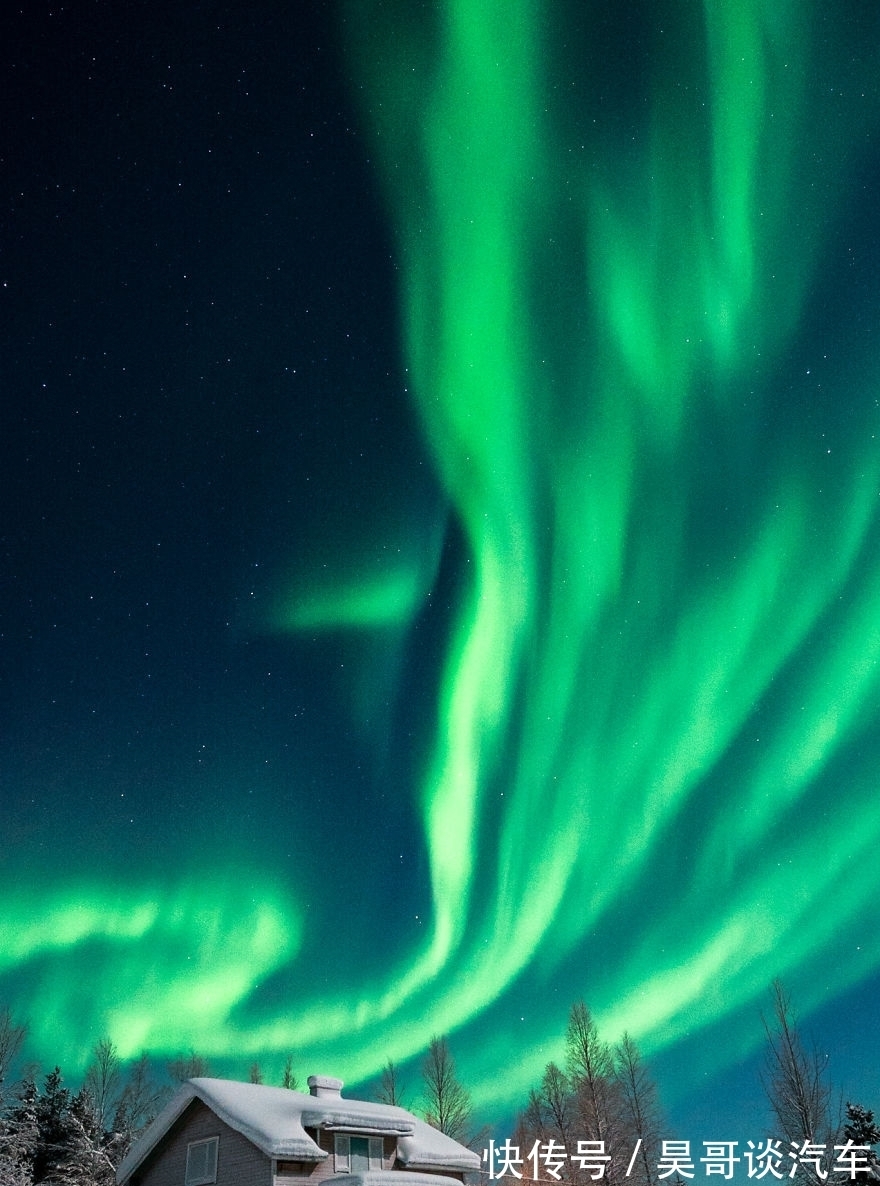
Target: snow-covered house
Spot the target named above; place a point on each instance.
(215, 1131)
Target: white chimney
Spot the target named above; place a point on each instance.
(324, 1087)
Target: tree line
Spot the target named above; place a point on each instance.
(50, 1134)
(600, 1100)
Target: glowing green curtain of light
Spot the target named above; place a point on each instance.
(597, 303)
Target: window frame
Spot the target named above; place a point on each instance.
(342, 1151)
(209, 1175)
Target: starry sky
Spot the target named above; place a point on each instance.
(440, 549)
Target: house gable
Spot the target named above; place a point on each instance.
(239, 1161)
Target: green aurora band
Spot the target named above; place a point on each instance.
(600, 289)
(662, 673)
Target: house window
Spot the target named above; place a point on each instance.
(377, 1151)
(201, 1162)
(356, 1155)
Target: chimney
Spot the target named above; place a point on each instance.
(324, 1087)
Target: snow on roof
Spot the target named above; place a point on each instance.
(430, 1149)
(275, 1119)
(352, 1115)
(268, 1116)
(391, 1178)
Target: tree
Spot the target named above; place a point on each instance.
(288, 1079)
(795, 1083)
(556, 1100)
(89, 1161)
(606, 1095)
(53, 1127)
(12, 1171)
(20, 1137)
(590, 1066)
(550, 1115)
(139, 1102)
(103, 1079)
(447, 1101)
(255, 1075)
(861, 1130)
(390, 1090)
(12, 1036)
(641, 1111)
(188, 1066)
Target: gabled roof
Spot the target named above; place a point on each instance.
(275, 1119)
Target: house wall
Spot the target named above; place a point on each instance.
(327, 1168)
(239, 1163)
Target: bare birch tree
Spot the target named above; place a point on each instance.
(590, 1067)
(188, 1066)
(796, 1085)
(641, 1110)
(12, 1036)
(390, 1090)
(103, 1081)
(551, 1115)
(447, 1101)
(140, 1101)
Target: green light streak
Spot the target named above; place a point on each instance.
(387, 600)
(161, 969)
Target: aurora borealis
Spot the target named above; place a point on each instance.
(442, 534)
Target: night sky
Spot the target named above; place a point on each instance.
(440, 539)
